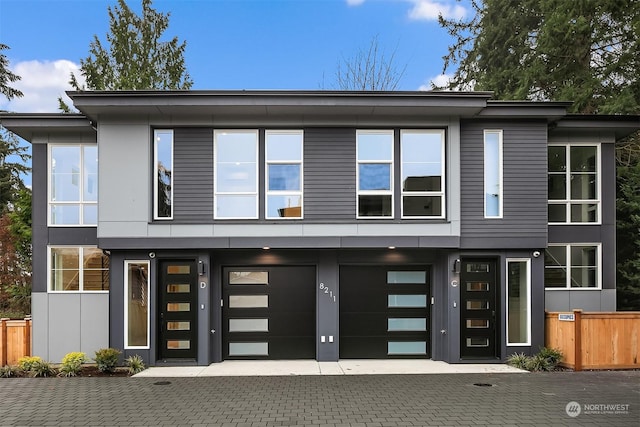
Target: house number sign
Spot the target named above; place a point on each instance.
(328, 292)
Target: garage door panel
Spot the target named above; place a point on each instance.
(355, 324)
(291, 323)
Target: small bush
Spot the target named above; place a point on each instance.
(27, 363)
(518, 360)
(546, 359)
(553, 355)
(134, 364)
(72, 364)
(8, 371)
(539, 363)
(43, 369)
(107, 359)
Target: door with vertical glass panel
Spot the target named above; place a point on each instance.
(178, 296)
(478, 309)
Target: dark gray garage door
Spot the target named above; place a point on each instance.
(269, 312)
(384, 312)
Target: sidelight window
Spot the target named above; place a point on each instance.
(136, 304)
(518, 302)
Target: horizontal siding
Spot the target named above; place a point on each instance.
(524, 219)
(329, 174)
(193, 175)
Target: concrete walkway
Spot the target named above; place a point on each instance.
(241, 368)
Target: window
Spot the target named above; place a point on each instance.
(374, 153)
(284, 174)
(572, 266)
(163, 167)
(136, 304)
(236, 174)
(574, 194)
(78, 269)
(73, 184)
(422, 153)
(518, 302)
(493, 174)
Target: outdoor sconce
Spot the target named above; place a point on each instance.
(201, 268)
(456, 266)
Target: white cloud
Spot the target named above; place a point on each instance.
(354, 2)
(428, 10)
(439, 80)
(42, 82)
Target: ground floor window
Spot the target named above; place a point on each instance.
(136, 310)
(572, 266)
(518, 302)
(79, 269)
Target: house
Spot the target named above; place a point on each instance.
(193, 227)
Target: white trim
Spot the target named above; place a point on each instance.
(80, 270)
(215, 171)
(500, 173)
(528, 263)
(155, 174)
(568, 286)
(126, 309)
(300, 162)
(390, 162)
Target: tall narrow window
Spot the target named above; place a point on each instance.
(574, 194)
(422, 153)
(284, 174)
(493, 174)
(375, 173)
(136, 300)
(73, 184)
(518, 302)
(236, 174)
(163, 160)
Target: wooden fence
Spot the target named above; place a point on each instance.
(15, 340)
(596, 340)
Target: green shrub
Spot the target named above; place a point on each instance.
(8, 371)
(134, 364)
(553, 355)
(107, 359)
(72, 364)
(43, 369)
(546, 359)
(27, 363)
(539, 363)
(518, 360)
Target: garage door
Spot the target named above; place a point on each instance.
(269, 313)
(384, 312)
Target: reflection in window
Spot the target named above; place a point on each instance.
(572, 266)
(236, 174)
(518, 302)
(422, 153)
(73, 184)
(82, 269)
(248, 277)
(284, 174)
(375, 173)
(163, 184)
(136, 304)
(493, 174)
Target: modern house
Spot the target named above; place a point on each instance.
(201, 226)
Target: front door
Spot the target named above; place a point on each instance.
(177, 309)
(478, 309)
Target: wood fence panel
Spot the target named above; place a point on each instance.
(15, 340)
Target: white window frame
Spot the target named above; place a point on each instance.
(216, 193)
(568, 201)
(500, 193)
(126, 309)
(80, 271)
(569, 265)
(155, 174)
(442, 192)
(79, 202)
(375, 162)
(528, 263)
(268, 192)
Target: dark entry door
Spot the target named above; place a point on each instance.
(177, 310)
(479, 308)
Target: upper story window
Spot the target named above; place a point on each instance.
(493, 174)
(163, 167)
(572, 266)
(574, 193)
(374, 174)
(422, 153)
(284, 174)
(73, 184)
(236, 174)
(79, 269)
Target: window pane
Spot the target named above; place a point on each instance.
(65, 269)
(557, 213)
(583, 256)
(477, 286)
(234, 147)
(421, 147)
(477, 324)
(178, 269)
(178, 288)
(236, 207)
(90, 192)
(407, 301)
(249, 278)
(248, 349)
(236, 177)
(248, 325)
(492, 167)
(407, 324)
(65, 214)
(248, 301)
(555, 277)
(557, 159)
(409, 277)
(422, 205)
(65, 174)
(584, 212)
(518, 301)
(284, 177)
(137, 304)
(374, 176)
(178, 344)
(90, 214)
(178, 306)
(375, 146)
(557, 187)
(164, 171)
(477, 305)
(477, 342)
(95, 276)
(421, 177)
(583, 186)
(284, 146)
(583, 159)
(284, 206)
(374, 205)
(555, 256)
(406, 347)
(178, 326)
(584, 277)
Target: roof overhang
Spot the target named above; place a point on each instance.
(548, 110)
(621, 126)
(28, 125)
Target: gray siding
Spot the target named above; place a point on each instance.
(329, 174)
(193, 175)
(524, 223)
